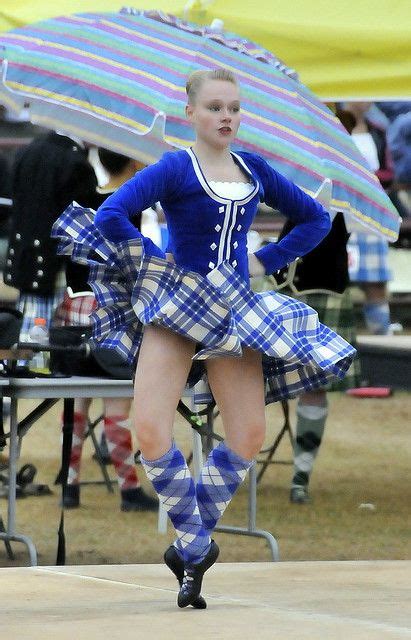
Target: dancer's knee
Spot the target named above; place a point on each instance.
(247, 441)
(154, 439)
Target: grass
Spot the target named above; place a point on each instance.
(365, 458)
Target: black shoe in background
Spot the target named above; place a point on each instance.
(137, 500)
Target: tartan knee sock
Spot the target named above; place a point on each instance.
(79, 432)
(311, 421)
(120, 447)
(174, 485)
(223, 472)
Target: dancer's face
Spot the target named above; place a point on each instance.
(215, 112)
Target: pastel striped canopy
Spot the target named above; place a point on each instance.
(118, 81)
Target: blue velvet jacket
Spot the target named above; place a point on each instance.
(206, 229)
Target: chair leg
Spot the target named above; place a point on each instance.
(99, 457)
(286, 428)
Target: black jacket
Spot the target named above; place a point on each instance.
(326, 266)
(48, 175)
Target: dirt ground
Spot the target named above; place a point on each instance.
(364, 460)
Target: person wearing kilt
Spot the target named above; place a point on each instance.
(48, 174)
(368, 258)
(321, 280)
(194, 303)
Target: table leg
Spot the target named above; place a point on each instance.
(10, 534)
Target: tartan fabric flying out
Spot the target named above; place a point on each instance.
(219, 312)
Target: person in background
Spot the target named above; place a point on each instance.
(321, 280)
(368, 253)
(74, 311)
(48, 174)
(5, 208)
(399, 139)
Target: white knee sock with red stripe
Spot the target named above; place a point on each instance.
(120, 446)
(79, 432)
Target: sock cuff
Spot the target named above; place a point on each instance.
(233, 457)
(166, 457)
(383, 306)
(312, 411)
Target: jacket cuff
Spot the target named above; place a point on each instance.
(151, 249)
(271, 258)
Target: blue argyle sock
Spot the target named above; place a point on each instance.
(223, 472)
(174, 485)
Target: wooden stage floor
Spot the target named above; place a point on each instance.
(287, 601)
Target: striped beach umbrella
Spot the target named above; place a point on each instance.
(118, 81)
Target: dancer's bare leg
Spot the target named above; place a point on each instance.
(238, 388)
(162, 369)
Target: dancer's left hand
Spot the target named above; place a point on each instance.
(255, 267)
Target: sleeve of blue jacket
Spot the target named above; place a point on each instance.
(143, 190)
(311, 219)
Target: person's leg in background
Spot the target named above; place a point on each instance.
(337, 312)
(117, 429)
(368, 265)
(120, 446)
(376, 308)
(312, 412)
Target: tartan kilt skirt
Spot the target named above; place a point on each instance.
(337, 312)
(368, 258)
(219, 312)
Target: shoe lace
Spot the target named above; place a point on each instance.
(187, 578)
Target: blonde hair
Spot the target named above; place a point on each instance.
(196, 79)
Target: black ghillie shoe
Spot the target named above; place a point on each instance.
(176, 565)
(193, 577)
(299, 495)
(137, 500)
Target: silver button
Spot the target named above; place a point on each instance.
(36, 243)
(11, 252)
(40, 273)
(35, 285)
(9, 262)
(217, 227)
(40, 259)
(234, 263)
(211, 265)
(8, 277)
(239, 227)
(221, 209)
(235, 245)
(213, 246)
(18, 236)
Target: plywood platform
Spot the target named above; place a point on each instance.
(299, 600)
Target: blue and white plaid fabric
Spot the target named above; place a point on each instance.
(220, 311)
(368, 258)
